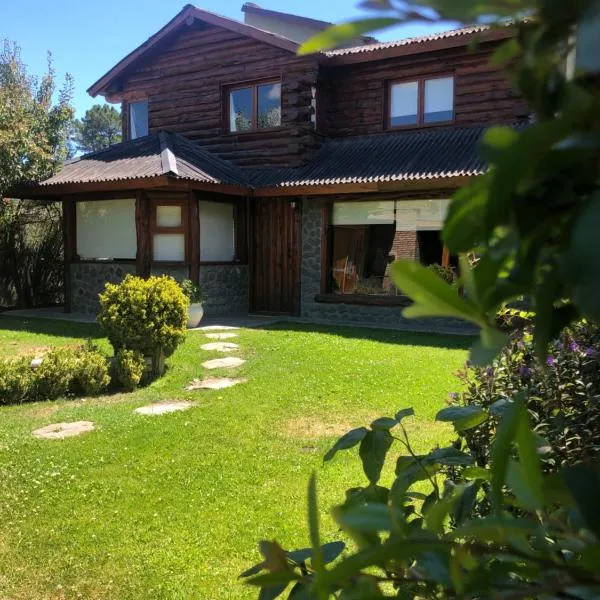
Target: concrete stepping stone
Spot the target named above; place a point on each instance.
(220, 346)
(162, 408)
(230, 362)
(59, 431)
(222, 336)
(218, 328)
(214, 383)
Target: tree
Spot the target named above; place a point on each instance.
(98, 129)
(507, 529)
(33, 128)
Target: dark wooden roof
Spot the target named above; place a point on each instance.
(431, 154)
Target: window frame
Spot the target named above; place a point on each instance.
(183, 229)
(254, 85)
(129, 116)
(420, 81)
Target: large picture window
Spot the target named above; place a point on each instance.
(369, 236)
(217, 232)
(421, 102)
(253, 107)
(106, 229)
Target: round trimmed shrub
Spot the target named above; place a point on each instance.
(146, 315)
(91, 373)
(53, 378)
(129, 368)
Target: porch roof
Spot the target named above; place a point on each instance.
(431, 155)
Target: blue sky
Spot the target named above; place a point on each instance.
(88, 37)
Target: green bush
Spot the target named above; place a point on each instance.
(91, 372)
(192, 291)
(15, 380)
(129, 368)
(146, 315)
(53, 378)
(447, 274)
(562, 395)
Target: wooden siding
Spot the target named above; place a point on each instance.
(184, 84)
(275, 256)
(354, 96)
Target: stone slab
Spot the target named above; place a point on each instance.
(217, 327)
(222, 336)
(59, 431)
(162, 408)
(215, 383)
(220, 347)
(230, 362)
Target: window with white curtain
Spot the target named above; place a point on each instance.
(138, 119)
(169, 231)
(106, 229)
(217, 232)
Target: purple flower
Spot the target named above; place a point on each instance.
(550, 361)
(453, 396)
(525, 372)
(588, 352)
(573, 346)
(489, 371)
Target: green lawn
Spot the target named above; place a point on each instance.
(172, 506)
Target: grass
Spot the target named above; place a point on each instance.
(172, 507)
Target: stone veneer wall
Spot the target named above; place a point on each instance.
(225, 290)
(88, 280)
(347, 313)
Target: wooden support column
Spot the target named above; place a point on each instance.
(70, 247)
(142, 228)
(445, 257)
(194, 237)
(240, 219)
(326, 246)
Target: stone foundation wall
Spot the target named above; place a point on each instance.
(89, 279)
(225, 290)
(386, 316)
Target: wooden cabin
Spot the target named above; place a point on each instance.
(282, 184)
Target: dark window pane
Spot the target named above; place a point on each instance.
(404, 120)
(439, 100)
(269, 105)
(430, 247)
(240, 110)
(439, 116)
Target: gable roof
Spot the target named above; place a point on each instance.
(187, 15)
(160, 154)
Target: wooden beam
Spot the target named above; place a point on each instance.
(326, 246)
(69, 248)
(194, 237)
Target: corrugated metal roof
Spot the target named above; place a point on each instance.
(406, 156)
(407, 41)
(150, 156)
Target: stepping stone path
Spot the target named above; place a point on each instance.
(162, 408)
(229, 362)
(59, 431)
(220, 346)
(221, 336)
(214, 383)
(218, 328)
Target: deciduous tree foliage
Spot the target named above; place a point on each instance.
(507, 529)
(98, 129)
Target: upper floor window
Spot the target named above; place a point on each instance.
(421, 102)
(254, 106)
(138, 119)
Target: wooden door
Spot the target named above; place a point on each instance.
(275, 256)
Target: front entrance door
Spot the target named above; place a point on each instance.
(274, 256)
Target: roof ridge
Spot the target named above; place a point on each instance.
(167, 158)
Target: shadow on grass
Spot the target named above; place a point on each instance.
(385, 336)
(51, 327)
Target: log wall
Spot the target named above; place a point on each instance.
(184, 82)
(354, 96)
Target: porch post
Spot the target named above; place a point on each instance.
(142, 228)
(326, 232)
(69, 245)
(194, 237)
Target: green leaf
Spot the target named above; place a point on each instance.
(456, 413)
(404, 412)
(438, 511)
(273, 579)
(496, 141)
(384, 423)
(581, 261)
(344, 32)
(332, 550)
(373, 450)
(501, 447)
(529, 466)
(470, 422)
(495, 529)
(432, 297)
(517, 482)
(348, 440)
(271, 592)
(463, 509)
(477, 473)
(300, 591)
(490, 343)
(584, 484)
(366, 518)
(505, 53)
(450, 457)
